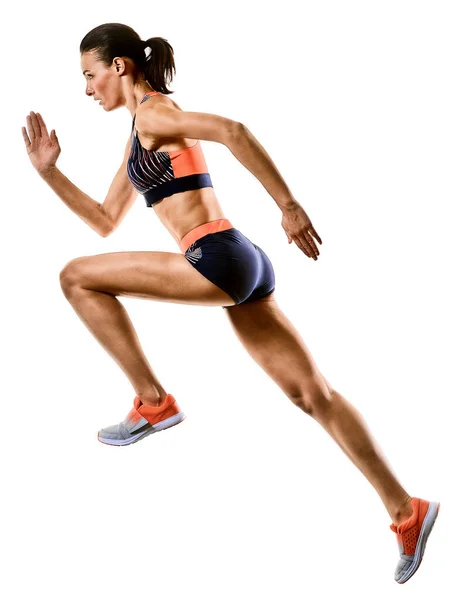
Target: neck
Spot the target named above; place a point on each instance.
(138, 93)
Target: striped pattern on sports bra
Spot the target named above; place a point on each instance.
(158, 174)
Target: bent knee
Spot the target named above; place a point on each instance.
(313, 396)
(71, 275)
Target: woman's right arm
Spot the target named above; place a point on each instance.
(44, 149)
(90, 211)
(102, 218)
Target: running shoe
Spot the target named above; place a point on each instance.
(412, 536)
(142, 420)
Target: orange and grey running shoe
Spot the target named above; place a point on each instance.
(142, 420)
(412, 536)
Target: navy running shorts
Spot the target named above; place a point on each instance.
(232, 262)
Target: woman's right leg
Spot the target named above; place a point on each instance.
(274, 343)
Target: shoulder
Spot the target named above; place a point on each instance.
(153, 113)
(163, 118)
(155, 104)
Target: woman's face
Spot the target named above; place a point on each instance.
(102, 82)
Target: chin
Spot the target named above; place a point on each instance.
(108, 109)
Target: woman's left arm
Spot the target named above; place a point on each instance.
(163, 121)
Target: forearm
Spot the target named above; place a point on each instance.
(253, 156)
(90, 211)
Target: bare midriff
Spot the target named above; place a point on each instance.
(180, 213)
(183, 212)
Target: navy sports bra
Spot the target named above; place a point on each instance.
(157, 175)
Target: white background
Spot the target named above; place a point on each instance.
(248, 497)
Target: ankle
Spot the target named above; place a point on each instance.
(152, 397)
(403, 512)
(152, 400)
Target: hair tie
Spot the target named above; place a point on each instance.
(148, 52)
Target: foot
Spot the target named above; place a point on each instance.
(142, 420)
(412, 535)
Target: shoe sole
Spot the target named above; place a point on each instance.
(166, 424)
(427, 526)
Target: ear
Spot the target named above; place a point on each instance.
(119, 64)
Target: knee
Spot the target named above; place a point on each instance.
(313, 396)
(71, 275)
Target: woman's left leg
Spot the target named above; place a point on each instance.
(92, 283)
(274, 343)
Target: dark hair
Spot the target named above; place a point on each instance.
(114, 39)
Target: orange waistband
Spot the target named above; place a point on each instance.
(203, 229)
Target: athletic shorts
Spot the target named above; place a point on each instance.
(228, 259)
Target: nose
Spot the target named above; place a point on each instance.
(89, 92)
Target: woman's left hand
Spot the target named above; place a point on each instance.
(298, 227)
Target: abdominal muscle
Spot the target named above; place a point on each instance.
(183, 212)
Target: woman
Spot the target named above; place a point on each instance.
(217, 265)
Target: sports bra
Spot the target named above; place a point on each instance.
(157, 175)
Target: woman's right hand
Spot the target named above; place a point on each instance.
(43, 149)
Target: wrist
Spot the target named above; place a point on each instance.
(47, 172)
(288, 204)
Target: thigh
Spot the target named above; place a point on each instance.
(276, 345)
(163, 276)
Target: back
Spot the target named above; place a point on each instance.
(158, 174)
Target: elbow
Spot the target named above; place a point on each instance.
(106, 231)
(107, 224)
(233, 132)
